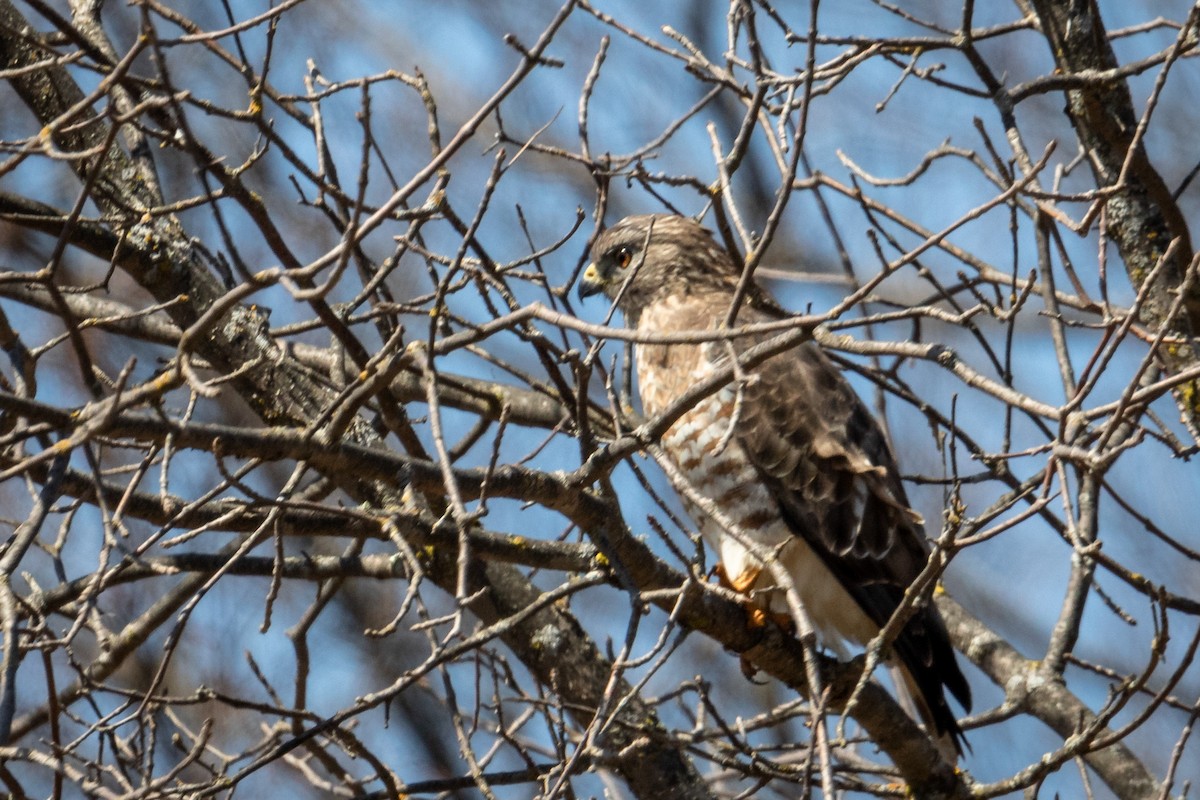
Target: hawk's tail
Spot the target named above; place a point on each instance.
(938, 719)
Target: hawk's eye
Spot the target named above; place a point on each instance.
(623, 256)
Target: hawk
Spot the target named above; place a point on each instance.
(796, 475)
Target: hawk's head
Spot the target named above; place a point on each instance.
(647, 258)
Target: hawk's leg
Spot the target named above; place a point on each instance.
(742, 584)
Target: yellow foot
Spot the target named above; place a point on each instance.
(742, 583)
(786, 622)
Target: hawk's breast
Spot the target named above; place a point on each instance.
(733, 507)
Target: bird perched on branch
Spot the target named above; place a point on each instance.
(788, 476)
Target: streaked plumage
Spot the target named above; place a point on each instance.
(806, 471)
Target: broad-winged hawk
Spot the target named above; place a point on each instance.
(805, 477)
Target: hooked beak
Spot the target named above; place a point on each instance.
(591, 281)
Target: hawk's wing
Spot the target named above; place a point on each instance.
(828, 465)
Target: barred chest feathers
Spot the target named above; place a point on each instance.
(713, 463)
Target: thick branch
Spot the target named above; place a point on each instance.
(1046, 699)
(1141, 217)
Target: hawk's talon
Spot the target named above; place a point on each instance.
(749, 670)
(786, 622)
(757, 615)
